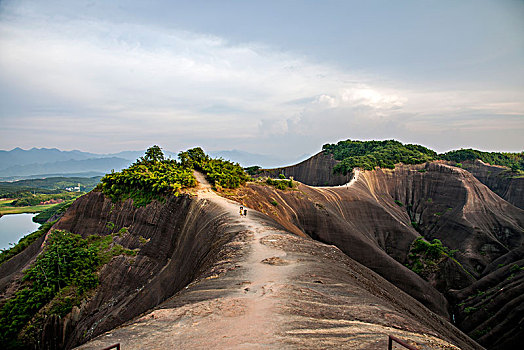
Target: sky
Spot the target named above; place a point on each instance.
(270, 77)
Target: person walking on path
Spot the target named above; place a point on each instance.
(241, 210)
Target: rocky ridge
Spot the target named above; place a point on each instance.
(375, 220)
(272, 289)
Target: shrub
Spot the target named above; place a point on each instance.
(367, 155)
(280, 184)
(151, 177)
(59, 279)
(218, 171)
(274, 202)
(253, 170)
(514, 161)
(424, 255)
(470, 309)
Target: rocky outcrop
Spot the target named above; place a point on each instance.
(500, 180)
(375, 220)
(175, 239)
(307, 268)
(205, 277)
(268, 288)
(315, 171)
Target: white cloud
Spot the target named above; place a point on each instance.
(127, 81)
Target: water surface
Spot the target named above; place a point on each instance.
(15, 226)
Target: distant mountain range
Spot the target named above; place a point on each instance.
(19, 164)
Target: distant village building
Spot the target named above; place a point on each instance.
(73, 189)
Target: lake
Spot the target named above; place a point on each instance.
(15, 226)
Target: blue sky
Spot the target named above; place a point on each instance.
(270, 77)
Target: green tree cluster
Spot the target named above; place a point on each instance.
(424, 255)
(253, 170)
(367, 155)
(280, 184)
(153, 177)
(59, 279)
(218, 171)
(150, 177)
(515, 161)
(67, 260)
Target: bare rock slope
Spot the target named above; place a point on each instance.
(268, 288)
(375, 221)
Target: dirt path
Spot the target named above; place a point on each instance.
(266, 271)
(269, 289)
(239, 310)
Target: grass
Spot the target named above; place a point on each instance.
(6, 208)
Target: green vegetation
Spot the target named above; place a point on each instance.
(150, 177)
(280, 184)
(476, 334)
(29, 199)
(424, 256)
(399, 203)
(24, 242)
(219, 172)
(515, 268)
(59, 279)
(56, 209)
(253, 170)
(367, 155)
(51, 185)
(273, 202)
(514, 161)
(7, 208)
(470, 309)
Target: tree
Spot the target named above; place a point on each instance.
(153, 154)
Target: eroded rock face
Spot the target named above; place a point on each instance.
(176, 239)
(271, 289)
(203, 269)
(314, 171)
(374, 222)
(499, 180)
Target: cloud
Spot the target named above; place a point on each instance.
(130, 84)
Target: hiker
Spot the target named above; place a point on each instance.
(241, 210)
(245, 212)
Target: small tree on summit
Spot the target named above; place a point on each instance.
(153, 154)
(193, 158)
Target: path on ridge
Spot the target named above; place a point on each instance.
(263, 279)
(245, 315)
(271, 289)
